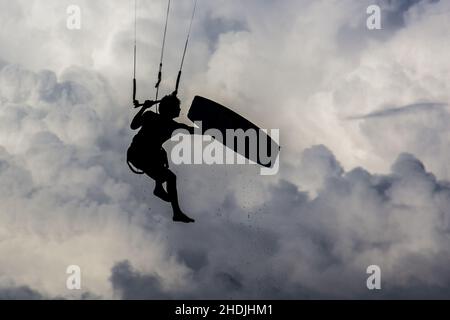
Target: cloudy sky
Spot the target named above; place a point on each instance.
(364, 178)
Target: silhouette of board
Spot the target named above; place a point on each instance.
(216, 116)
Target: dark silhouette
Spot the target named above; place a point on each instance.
(147, 154)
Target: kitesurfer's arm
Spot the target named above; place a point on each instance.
(185, 127)
(138, 119)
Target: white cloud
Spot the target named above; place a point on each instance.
(304, 67)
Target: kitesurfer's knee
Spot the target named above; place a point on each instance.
(160, 192)
(171, 177)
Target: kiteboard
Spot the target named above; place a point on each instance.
(216, 116)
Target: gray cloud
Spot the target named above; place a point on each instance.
(398, 111)
(130, 284)
(20, 293)
(214, 27)
(397, 10)
(301, 66)
(299, 246)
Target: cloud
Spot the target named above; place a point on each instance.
(64, 183)
(396, 12)
(19, 293)
(131, 285)
(412, 108)
(292, 245)
(301, 246)
(67, 196)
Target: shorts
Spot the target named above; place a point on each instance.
(152, 161)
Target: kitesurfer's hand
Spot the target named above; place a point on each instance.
(136, 103)
(148, 104)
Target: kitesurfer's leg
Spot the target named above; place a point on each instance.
(178, 215)
(160, 192)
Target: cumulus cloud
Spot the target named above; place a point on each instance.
(305, 67)
(63, 181)
(412, 108)
(130, 284)
(19, 293)
(300, 246)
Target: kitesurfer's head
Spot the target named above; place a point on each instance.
(170, 106)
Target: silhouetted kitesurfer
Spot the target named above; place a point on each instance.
(147, 154)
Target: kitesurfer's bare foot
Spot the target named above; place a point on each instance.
(161, 193)
(181, 217)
